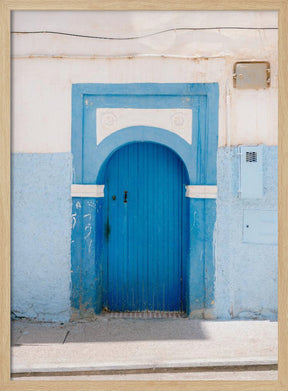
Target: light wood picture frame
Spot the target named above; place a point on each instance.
(7, 6)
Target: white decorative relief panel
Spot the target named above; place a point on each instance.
(178, 121)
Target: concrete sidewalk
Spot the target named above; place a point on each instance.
(114, 346)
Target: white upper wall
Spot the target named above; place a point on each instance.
(199, 47)
(141, 22)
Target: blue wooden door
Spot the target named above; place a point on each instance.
(145, 229)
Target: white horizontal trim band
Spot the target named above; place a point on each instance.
(203, 191)
(192, 191)
(87, 191)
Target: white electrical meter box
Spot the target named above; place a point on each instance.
(251, 172)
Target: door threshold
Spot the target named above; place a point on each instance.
(144, 315)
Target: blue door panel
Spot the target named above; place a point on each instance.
(145, 242)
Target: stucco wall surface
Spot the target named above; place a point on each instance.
(187, 33)
(192, 47)
(246, 274)
(145, 22)
(41, 235)
(42, 89)
(135, 47)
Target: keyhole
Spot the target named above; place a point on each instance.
(125, 196)
(114, 198)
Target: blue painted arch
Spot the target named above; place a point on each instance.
(202, 98)
(89, 164)
(141, 134)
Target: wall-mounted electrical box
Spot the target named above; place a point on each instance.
(251, 75)
(260, 226)
(251, 172)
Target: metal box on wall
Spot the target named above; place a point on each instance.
(251, 172)
(251, 75)
(260, 226)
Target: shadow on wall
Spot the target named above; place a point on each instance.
(106, 330)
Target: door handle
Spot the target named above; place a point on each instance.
(125, 196)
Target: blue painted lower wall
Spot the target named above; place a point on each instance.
(239, 279)
(201, 285)
(246, 274)
(87, 255)
(41, 235)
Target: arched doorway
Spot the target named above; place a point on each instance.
(146, 231)
(197, 149)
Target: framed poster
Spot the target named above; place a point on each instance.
(96, 91)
